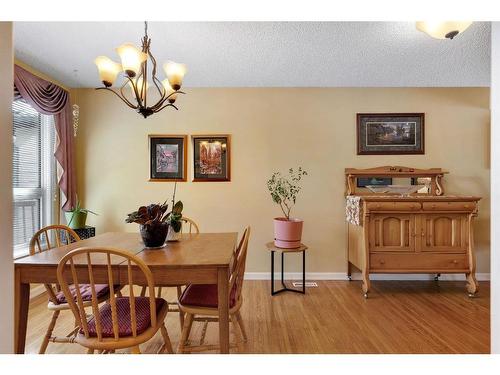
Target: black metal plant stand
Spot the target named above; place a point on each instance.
(284, 287)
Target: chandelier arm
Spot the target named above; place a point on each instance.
(162, 91)
(156, 81)
(163, 100)
(120, 96)
(167, 105)
(123, 96)
(134, 87)
(145, 80)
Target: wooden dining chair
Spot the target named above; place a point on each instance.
(44, 240)
(121, 322)
(193, 229)
(199, 302)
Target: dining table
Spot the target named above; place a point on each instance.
(202, 258)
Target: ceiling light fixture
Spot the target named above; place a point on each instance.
(442, 30)
(134, 63)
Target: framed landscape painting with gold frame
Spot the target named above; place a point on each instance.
(168, 157)
(211, 157)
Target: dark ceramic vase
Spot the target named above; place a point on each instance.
(154, 235)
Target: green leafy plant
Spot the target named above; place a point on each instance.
(284, 190)
(175, 216)
(79, 210)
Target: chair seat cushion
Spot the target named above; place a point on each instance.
(142, 312)
(86, 292)
(204, 295)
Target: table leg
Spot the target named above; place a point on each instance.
(304, 272)
(21, 306)
(283, 270)
(272, 273)
(223, 304)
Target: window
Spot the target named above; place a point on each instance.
(34, 173)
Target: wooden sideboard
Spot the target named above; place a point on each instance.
(420, 233)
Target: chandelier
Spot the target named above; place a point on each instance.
(134, 63)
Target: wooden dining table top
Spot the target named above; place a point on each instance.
(199, 250)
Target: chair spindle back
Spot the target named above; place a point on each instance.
(238, 264)
(52, 236)
(47, 238)
(193, 227)
(76, 270)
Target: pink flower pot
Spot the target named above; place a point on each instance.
(287, 233)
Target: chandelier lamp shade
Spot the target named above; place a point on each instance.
(443, 30)
(138, 79)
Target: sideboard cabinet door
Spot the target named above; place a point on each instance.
(392, 232)
(444, 232)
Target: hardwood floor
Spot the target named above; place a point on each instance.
(398, 317)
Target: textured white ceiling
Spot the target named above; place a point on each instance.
(267, 54)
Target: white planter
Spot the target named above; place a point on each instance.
(173, 235)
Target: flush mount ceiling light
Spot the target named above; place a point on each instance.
(134, 63)
(443, 30)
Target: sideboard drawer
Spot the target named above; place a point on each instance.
(449, 206)
(418, 262)
(394, 206)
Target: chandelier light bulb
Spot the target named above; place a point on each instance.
(108, 70)
(175, 73)
(443, 30)
(132, 58)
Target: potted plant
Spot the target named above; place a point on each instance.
(153, 223)
(175, 218)
(284, 191)
(175, 222)
(77, 217)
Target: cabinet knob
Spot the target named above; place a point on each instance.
(382, 261)
(455, 261)
(433, 206)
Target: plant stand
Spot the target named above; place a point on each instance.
(272, 248)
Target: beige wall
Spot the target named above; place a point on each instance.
(274, 129)
(6, 265)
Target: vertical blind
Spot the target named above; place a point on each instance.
(33, 173)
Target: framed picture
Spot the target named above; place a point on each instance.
(363, 181)
(212, 158)
(167, 157)
(390, 133)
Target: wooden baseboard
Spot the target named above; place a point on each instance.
(357, 276)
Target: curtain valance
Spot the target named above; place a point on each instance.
(51, 99)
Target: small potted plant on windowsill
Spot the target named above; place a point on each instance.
(77, 217)
(284, 191)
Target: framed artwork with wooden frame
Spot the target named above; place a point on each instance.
(167, 157)
(211, 157)
(390, 133)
